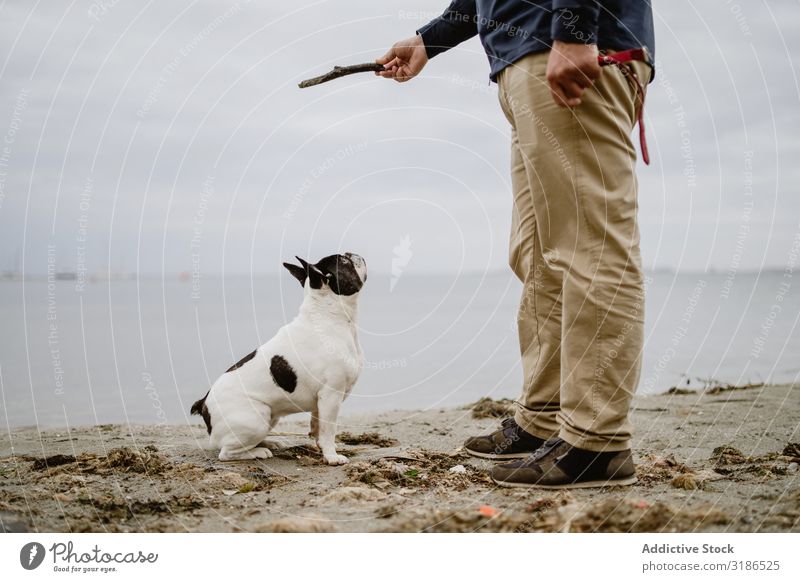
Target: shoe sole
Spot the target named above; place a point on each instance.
(496, 457)
(581, 485)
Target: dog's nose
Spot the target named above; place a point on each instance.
(355, 258)
(360, 264)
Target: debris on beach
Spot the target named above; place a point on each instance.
(621, 515)
(709, 386)
(420, 469)
(110, 508)
(124, 460)
(349, 494)
(536, 516)
(657, 469)
(728, 455)
(685, 481)
(719, 387)
(699, 479)
(487, 511)
(489, 408)
(104, 479)
(654, 469)
(290, 453)
(544, 503)
(304, 455)
(52, 461)
(792, 450)
(381, 473)
(388, 510)
(263, 481)
(144, 460)
(300, 524)
(228, 482)
(463, 521)
(367, 438)
(13, 522)
(730, 461)
(135, 488)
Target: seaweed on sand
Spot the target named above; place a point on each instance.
(489, 408)
(367, 438)
(124, 460)
(416, 469)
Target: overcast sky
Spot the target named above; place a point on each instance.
(167, 136)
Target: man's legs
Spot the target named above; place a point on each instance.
(539, 315)
(580, 169)
(539, 325)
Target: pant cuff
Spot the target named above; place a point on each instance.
(541, 425)
(593, 443)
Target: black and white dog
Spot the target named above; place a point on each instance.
(310, 365)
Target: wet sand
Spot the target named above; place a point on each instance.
(717, 461)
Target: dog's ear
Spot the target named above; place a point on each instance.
(298, 273)
(315, 277)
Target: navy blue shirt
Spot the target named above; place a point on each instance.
(511, 29)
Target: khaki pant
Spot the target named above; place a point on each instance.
(575, 247)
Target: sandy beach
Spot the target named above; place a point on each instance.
(723, 460)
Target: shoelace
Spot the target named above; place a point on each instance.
(545, 449)
(622, 59)
(540, 453)
(509, 427)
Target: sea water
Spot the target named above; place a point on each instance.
(142, 350)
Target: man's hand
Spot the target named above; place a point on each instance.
(571, 69)
(404, 60)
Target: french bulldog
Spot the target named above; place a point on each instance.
(311, 365)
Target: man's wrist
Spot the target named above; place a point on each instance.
(430, 50)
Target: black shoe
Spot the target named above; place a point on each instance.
(559, 465)
(508, 442)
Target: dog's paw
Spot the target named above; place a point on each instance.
(274, 444)
(257, 453)
(262, 453)
(336, 459)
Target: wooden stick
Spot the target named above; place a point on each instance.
(341, 72)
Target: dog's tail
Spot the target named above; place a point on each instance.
(200, 408)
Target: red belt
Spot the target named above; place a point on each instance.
(621, 59)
